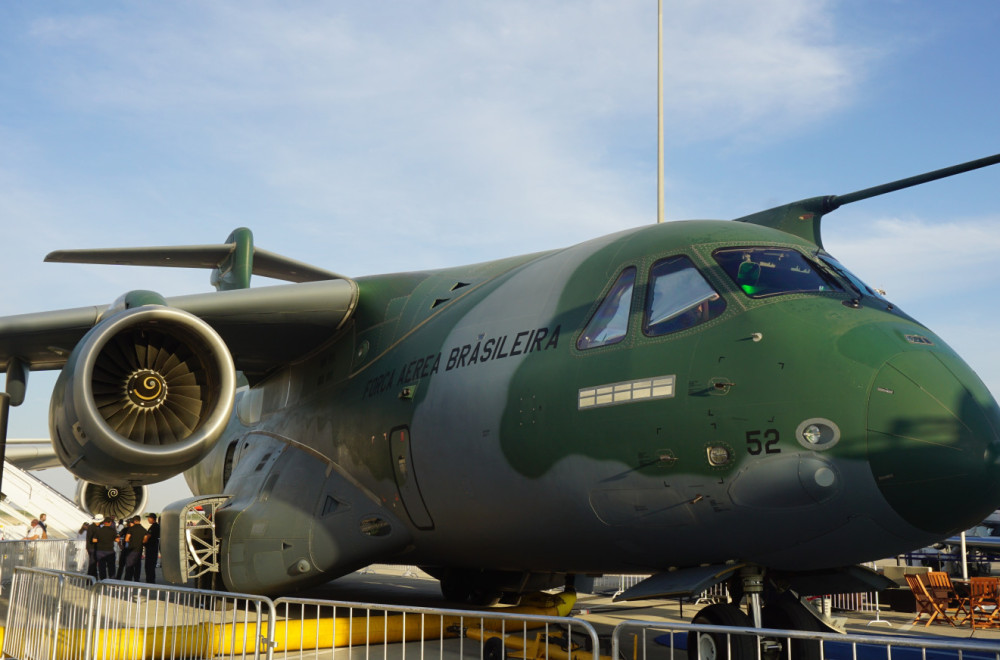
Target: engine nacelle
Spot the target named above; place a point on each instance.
(117, 501)
(144, 395)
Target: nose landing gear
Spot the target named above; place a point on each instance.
(721, 645)
(768, 609)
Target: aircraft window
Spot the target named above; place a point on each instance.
(610, 322)
(854, 280)
(678, 297)
(767, 271)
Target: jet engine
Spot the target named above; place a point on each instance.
(116, 501)
(144, 395)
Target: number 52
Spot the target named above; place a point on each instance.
(755, 446)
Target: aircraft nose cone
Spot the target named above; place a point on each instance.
(933, 443)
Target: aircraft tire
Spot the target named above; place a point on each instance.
(785, 613)
(715, 646)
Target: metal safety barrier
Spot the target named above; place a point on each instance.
(347, 629)
(616, 584)
(58, 615)
(641, 640)
(55, 554)
(859, 602)
(137, 620)
(44, 605)
(856, 602)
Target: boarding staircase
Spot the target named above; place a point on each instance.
(24, 497)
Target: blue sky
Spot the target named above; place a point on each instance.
(377, 137)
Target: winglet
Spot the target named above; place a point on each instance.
(231, 263)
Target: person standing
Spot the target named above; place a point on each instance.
(122, 547)
(151, 546)
(81, 536)
(92, 550)
(44, 525)
(104, 546)
(134, 536)
(34, 531)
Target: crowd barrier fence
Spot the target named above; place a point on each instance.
(635, 639)
(57, 615)
(56, 554)
(421, 632)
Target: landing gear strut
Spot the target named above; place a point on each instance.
(753, 587)
(781, 611)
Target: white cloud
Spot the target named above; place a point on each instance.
(760, 67)
(516, 126)
(916, 260)
(777, 58)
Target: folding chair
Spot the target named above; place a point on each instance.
(983, 605)
(943, 591)
(926, 604)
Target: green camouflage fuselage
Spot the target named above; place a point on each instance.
(454, 422)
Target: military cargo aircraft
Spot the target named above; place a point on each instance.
(703, 401)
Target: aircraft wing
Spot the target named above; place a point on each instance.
(263, 327)
(31, 454)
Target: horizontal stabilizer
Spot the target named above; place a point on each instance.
(233, 261)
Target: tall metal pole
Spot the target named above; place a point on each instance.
(965, 559)
(659, 111)
(15, 387)
(4, 413)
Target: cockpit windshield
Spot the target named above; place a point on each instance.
(854, 280)
(771, 271)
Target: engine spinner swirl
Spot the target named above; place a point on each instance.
(146, 389)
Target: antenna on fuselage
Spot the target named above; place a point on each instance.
(659, 111)
(802, 218)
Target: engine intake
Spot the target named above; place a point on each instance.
(145, 395)
(116, 501)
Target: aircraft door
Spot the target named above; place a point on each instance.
(230, 461)
(401, 458)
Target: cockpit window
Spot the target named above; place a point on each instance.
(854, 280)
(678, 298)
(610, 322)
(769, 271)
